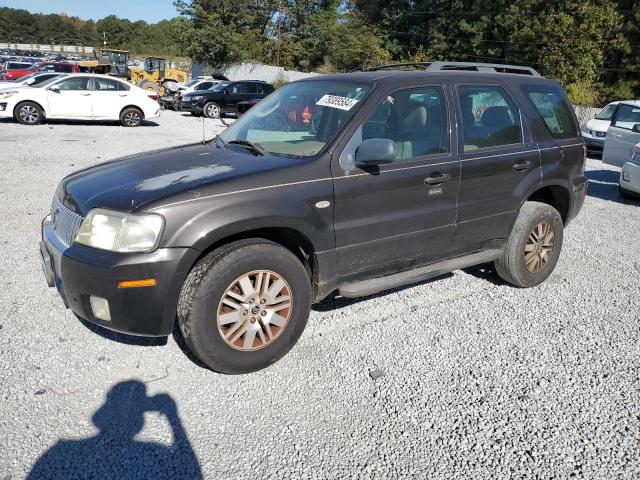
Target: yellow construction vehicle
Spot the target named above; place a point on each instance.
(154, 76)
(109, 62)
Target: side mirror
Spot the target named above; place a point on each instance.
(55, 88)
(375, 151)
(31, 81)
(636, 128)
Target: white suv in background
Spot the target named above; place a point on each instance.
(623, 133)
(595, 130)
(79, 97)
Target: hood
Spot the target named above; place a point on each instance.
(598, 125)
(128, 183)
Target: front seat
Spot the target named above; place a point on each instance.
(499, 127)
(411, 134)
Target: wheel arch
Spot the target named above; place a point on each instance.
(44, 112)
(132, 106)
(556, 195)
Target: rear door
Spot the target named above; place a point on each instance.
(73, 100)
(620, 136)
(390, 214)
(497, 157)
(109, 98)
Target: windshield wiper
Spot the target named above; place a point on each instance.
(256, 147)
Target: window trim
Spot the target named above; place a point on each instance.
(461, 149)
(413, 160)
(615, 117)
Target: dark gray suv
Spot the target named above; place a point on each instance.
(378, 179)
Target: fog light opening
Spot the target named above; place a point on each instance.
(100, 308)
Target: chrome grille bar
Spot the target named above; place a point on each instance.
(65, 222)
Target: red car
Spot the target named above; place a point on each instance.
(62, 67)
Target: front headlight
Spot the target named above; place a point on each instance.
(119, 231)
(5, 95)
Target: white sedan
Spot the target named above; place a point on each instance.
(79, 97)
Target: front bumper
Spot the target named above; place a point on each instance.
(593, 143)
(190, 107)
(78, 272)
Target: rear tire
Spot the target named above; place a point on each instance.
(212, 110)
(244, 306)
(533, 246)
(131, 117)
(28, 113)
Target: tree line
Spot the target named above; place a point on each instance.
(591, 46)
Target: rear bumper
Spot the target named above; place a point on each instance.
(79, 272)
(580, 187)
(630, 177)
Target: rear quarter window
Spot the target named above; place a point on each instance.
(555, 111)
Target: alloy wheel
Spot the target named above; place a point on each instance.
(254, 310)
(29, 114)
(213, 111)
(132, 119)
(539, 247)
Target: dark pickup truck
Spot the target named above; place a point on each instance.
(391, 177)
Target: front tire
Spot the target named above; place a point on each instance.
(212, 110)
(533, 246)
(244, 306)
(28, 113)
(131, 117)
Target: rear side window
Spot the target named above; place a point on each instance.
(63, 68)
(252, 88)
(627, 116)
(554, 110)
(238, 88)
(105, 84)
(489, 117)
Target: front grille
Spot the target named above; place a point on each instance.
(601, 134)
(65, 222)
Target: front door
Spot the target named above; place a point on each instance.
(404, 210)
(496, 157)
(236, 92)
(620, 136)
(74, 98)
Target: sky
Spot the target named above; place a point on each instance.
(150, 11)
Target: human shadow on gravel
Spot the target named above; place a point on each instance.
(123, 338)
(604, 184)
(114, 453)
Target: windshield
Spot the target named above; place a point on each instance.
(607, 112)
(191, 83)
(300, 118)
(34, 67)
(49, 81)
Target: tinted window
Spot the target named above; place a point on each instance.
(415, 119)
(607, 112)
(75, 83)
(106, 84)
(252, 88)
(218, 87)
(627, 116)
(63, 68)
(47, 68)
(489, 118)
(554, 110)
(17, 65)
(123, 86)
(238, 88)
(204, 86)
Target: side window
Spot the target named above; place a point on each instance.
(627, 116)
(489, 117)
(47, 68)
(106, 84)
(252, 88)
(62, 68)
(238, 88)
(75, 83)
(123, 87)
(415, 119)
(205, 86)
(554, 110)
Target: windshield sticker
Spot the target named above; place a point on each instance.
(333, 101)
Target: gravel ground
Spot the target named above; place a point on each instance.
(463, 377)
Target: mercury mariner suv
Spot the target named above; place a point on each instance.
(391, 177)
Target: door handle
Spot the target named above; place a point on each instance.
(85, 94)
(122, 94)
(437, 178)
(522, 166)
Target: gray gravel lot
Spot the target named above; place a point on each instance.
(480, 379)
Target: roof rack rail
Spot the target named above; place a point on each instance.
(440, 66)
(482, 67)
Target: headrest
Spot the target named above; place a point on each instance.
(415, 120)
(496, 117)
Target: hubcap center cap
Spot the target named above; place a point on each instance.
(255, 309)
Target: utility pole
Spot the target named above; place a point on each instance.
(278, 33)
